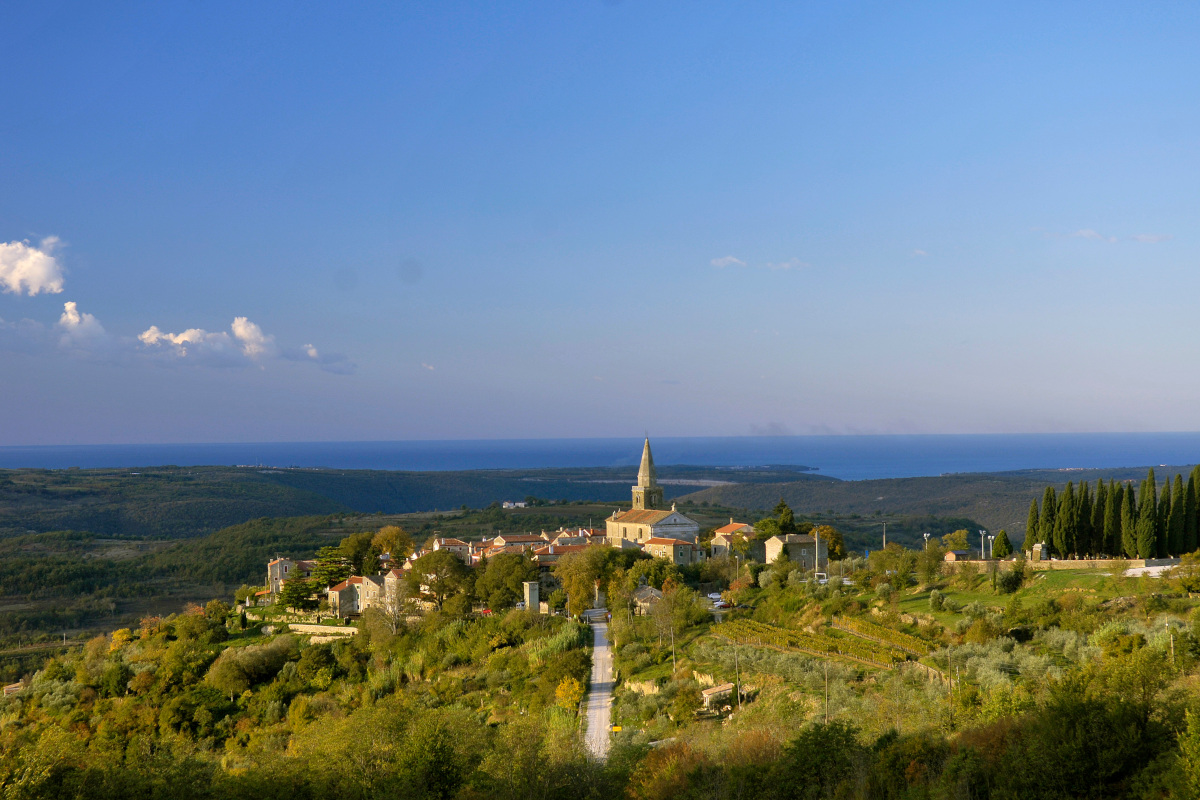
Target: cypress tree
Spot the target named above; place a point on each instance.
(1099, 508)
(1112, 522)
(1031, 526)
(1175, 535)
(1190, 542)
(1147, 522)
(1002, 547)
(1083, 520)
(1164, 511)
(1128, 523)
(1046, 523)
(1066, 522)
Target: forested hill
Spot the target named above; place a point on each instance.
(182, 502)
(995, 500)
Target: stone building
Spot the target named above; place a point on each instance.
(647, 520)
(801, 549)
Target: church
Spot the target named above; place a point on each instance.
(647, 519)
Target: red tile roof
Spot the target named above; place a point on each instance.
(648, 517)
(733, 527)
(664, 541)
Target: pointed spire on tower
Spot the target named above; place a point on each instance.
(647, 475)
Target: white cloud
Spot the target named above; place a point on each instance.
(193, 343)
(731, 261)
(1088, 233)
(245, 344)
(79, 329)
(1152, 238)
(29, 269)
(255, 343)
(427, 366)
(791, 263)
(918, 253)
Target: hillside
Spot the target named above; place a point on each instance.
(994, 500)
(181, 502)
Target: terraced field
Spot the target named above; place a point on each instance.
(842, 642)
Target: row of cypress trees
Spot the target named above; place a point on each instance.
(1115, 521)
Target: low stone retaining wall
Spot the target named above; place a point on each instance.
(322, 630)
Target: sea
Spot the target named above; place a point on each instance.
(844, 457)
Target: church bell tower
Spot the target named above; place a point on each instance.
(647, 494)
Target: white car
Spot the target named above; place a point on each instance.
(720, 604)
(714, 596)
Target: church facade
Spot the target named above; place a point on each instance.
(648, 519)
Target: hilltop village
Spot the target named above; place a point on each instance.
(647, 527)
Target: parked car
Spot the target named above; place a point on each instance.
(720, 604)
(714, 595)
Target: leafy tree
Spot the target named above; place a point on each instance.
(501, 584)
(653, 572)
(568, 694)
(298, 594)
(393, 541)
(1189, 757)
(930, 563)
(1002, 547)
(442, 573)
(332, 567)
(356, 550)
(832, 537)
(766, 528)
(816, 762)
(956, 540)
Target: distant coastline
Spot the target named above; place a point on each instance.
(844, 457)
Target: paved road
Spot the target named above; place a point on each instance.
(599, 699)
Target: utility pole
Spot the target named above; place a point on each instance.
(885, 536)
(926, 535)
(982, 546)
(737, 676)
(826, 691)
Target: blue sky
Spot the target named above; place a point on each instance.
(450, 220)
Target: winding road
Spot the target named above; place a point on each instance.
(599, 698)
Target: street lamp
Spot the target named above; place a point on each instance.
(992, 544)
(926, 535)
(982, 547)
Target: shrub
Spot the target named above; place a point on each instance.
(1009, 581)
(884, 592)
(937, 601)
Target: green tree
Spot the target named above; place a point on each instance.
(442, 573)
(1147, 522)
(332, 567)
(297, 593)
(1191, 535)
(1032, 536)
(930, 563)
(956, 540)
(834, 543)
(1129, 519)
(1046, 523)
(1066, 522)
(1112, 521)
(1176, 536)
(1002, 547)
(816, 762)
(501, 584)
(1189, 758)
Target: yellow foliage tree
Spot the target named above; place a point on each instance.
(569, 693)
